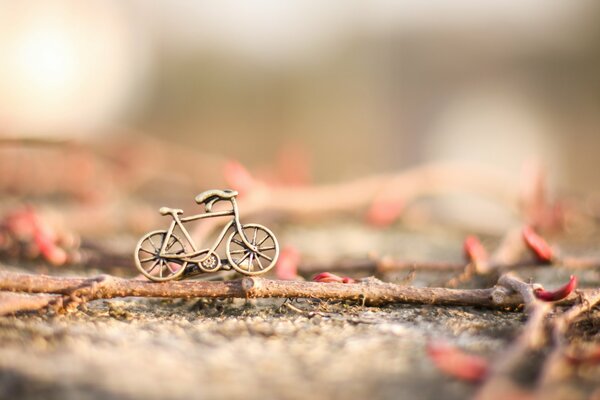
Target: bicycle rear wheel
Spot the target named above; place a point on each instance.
(154, 267)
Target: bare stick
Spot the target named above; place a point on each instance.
(11, 303)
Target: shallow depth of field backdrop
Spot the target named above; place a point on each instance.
(110, 109)
(360, 88)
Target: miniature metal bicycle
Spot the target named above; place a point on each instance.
(251, 249)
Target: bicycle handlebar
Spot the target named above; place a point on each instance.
(167, 210)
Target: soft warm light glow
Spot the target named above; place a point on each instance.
(46, 59)
(65, 67)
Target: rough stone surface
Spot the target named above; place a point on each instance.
(237, 349)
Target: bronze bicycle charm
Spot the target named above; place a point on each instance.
(250, 249)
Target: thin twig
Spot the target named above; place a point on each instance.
(382, 265)
(378, 265)
(556, 368)
(500, 382)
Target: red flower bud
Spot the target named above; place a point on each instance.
(52, 253)
(538, 244)
(327, 277)
(558, 294)
(55, 256)
(474, 250)
(456, 363)
(26, 225)
(384, 212)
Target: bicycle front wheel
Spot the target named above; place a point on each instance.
(253, 261)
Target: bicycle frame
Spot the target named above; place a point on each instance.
(235, 221)
(249, 249)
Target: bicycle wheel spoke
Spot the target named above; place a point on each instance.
(250, 265)
(153, 266)
(150, 260)
(263, 240)
(243, 258)
(264, 256)
(260, 263)
(152, 243)
(169, 267)
(248, 248)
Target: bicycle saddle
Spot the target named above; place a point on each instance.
(167, 210)
(210, 197)
(215, 194)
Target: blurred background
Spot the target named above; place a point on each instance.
(334, 120)
(348, 87)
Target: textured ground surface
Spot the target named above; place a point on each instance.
(174, 349)
(259, 349)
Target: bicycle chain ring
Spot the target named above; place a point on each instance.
(211, 264)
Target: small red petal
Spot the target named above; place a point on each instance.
(287, 264)
(456, 363)
(238, 177)
(384, 212)
(347, 279)
(474, 250)
(538, 244)
(558, 294)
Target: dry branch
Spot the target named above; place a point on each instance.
(500, 384)
(428, 179)
(314, 201)
(370, 291)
